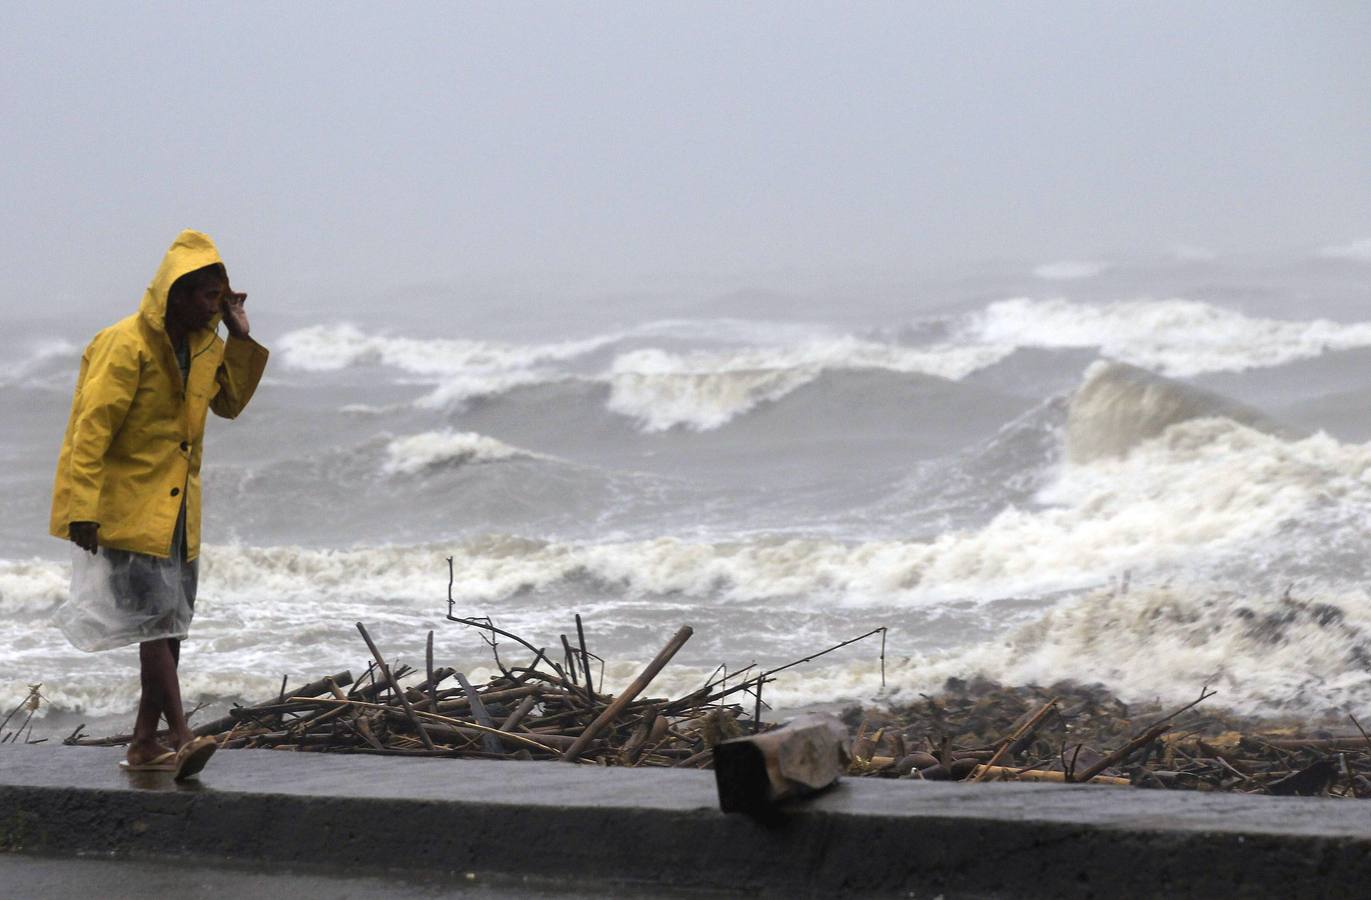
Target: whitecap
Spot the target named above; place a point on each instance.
(430, 450)
(705, 390)
(1174, 337)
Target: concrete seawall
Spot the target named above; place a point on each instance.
(642, 830)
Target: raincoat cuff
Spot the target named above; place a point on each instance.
(244, 348)
(82, 512)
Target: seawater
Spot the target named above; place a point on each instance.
(1150, 475)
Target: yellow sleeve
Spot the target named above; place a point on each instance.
(109, 381)
(244, 362)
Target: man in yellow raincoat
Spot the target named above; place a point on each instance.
(127, 489)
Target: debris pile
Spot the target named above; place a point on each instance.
(553, 708)
(981, 731)
(545, 710)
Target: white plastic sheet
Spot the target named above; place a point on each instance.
(119, 597)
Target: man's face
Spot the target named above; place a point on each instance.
(201, 305)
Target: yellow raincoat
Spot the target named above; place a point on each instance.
(132, 445)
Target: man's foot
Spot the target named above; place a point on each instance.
(141, 753)
(149, 757)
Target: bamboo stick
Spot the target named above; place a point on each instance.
(1008, 773)
(1026, 729)
(631, 692)
(519, 713)
(527, 741)
(432, 682)
(404, 700)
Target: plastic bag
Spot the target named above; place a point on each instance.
(119, 597)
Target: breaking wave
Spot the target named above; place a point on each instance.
(1119, 406)
(324, 348)
(1201, 491)
(39, 358)
(747, 365)
(1172, 337)
(704, 390)
(418, 453)
(1265, 653)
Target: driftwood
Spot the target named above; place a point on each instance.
(631, 693)
(754, 774)
(1005, 773)
(943, 737)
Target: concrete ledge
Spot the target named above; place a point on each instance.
(641, 829)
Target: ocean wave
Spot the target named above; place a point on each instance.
(416, 453)
(1265, 653)
(30, 587)
(324, 348)
(1204, 491)
(330, 347)
(1191, 513)
(459, 390)
(750, 364)
(705, 390)
(1302, 653)
(1187, 489)
(1119, 406)
(39, 355)
(1172, 337)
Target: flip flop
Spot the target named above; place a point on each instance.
(191, 758)
(165, 762)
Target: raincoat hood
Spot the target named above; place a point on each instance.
(190, 251)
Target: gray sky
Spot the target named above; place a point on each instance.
(376, 144)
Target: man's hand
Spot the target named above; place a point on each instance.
(235, 317)
(83, 535)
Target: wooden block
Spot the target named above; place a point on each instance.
(755, 773)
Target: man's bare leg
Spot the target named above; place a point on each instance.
(161, 697)
(176, 662)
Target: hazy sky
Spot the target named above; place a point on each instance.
(380, 144)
